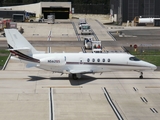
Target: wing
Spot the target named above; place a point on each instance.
(80, 71)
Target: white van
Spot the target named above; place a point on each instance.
(86, 29)
(81, 21)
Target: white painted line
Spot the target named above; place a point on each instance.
(49, 39)
(50, 118)
(5, 65)
(112, 104)
(135, 89)
(51, 105)
(144, 99)
(153, 110)
(62, 86)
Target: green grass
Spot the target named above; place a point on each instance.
(154, 59)
(145, 52)
(151, 55)
(4, 52)
(3, 56)
(3, 60)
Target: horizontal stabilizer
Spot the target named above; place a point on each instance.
(14, 58)
(29, 65)
(21, 55)
(25, 50)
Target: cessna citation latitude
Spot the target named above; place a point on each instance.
(74, 64)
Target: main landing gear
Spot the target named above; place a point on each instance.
(76, 76)
(141, 75)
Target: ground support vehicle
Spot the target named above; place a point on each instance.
(51, 19)
(86, 29)
(96, 47)
(6, 23)
(88, 42)
(9, 13)
(81, 21)
(18, 17)
(35, 19)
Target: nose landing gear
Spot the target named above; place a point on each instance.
(141, 75)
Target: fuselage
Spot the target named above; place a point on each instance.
(92, 62)
(74, 64)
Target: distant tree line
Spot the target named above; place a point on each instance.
(21, 2)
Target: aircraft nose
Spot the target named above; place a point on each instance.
(153, 67)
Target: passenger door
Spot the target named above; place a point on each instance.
(80, 61)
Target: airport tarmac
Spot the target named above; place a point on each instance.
(25, 95)
(25, 92)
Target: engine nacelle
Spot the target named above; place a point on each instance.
(55, 61)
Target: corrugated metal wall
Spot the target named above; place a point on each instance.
(133, 8)
(90, 8)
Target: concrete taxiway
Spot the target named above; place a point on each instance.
(25, 95)
(25, 92)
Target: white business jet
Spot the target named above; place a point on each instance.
(74, 64)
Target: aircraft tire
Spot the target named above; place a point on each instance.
(141, 77)
(74, 77)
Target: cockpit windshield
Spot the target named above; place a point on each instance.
(134, 59)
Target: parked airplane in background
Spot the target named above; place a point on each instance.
(74, 64)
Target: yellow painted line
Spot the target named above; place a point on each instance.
(152, 86)
(62, 87)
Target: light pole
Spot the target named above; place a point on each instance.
(120, 12)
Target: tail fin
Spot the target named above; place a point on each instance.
(15, 40)
(20, 47)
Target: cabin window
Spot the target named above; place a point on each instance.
(98, 60)
(109, 60)
(93, 60)
(88, 60)
(103, 60)
(134, 59)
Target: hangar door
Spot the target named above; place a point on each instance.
(59, 12)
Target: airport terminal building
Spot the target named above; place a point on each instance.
(61, 10)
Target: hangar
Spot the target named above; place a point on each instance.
(61, 10)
